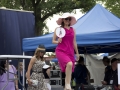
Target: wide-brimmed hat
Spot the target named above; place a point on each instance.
(65, 15)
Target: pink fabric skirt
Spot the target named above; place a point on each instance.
(63, 59)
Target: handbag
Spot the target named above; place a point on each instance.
(34, 82)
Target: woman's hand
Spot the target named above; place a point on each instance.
(119, 87)
(77, 56)
(16, 86)
(29, 82)
(59, 40)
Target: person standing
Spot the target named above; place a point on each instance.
(106, 62)
(81, 74)
(66, 46)
(20, 76)
(36, 64)
(12, 84)
(111, 76)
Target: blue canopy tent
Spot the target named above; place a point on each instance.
(97, 31)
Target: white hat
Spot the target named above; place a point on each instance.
(46, 66)
(65, 15)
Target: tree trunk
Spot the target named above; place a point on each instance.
(39, 27)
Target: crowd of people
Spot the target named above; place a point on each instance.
(111, 73)
(37, 80)
(81, 74)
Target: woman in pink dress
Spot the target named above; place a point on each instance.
(66, 46)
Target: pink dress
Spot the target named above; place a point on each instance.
(65, 50)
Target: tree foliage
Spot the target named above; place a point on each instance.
(112, 5)
(44, 9)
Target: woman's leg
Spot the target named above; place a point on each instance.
(68, 72)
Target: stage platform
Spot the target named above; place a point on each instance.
(57, 88)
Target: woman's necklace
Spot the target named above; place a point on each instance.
(67, 28)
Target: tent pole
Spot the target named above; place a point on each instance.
(85, 54)
(23, 71)
(85, 57)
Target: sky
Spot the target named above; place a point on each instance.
(51, 23)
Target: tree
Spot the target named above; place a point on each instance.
(44, 9)
(113, 6)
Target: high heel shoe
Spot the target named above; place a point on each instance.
(68, 87)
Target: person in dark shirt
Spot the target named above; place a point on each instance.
(106, 62)
(111, 76)
(81, 73)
